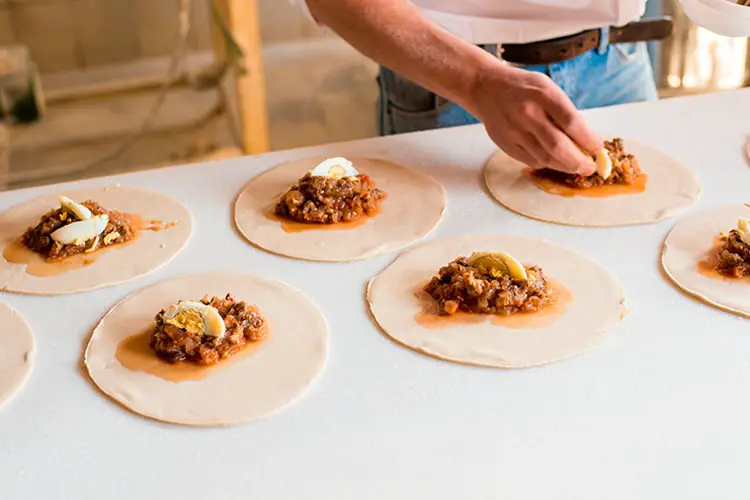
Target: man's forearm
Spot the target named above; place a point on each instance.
(395, 34)
(524, 112)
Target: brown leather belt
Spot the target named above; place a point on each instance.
(568, 47)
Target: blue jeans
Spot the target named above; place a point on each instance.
(610, 74)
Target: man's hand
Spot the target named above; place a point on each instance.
(525, 113)
(533, 120)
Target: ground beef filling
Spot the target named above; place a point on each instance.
(322, 200)
(625, 170)
(38, 239)
(243, 324)
(734, 256)
(461, 287)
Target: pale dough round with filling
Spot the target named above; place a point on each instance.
(280, 371)
(598, 303)
(689, 243)
(671, 188)
(121, 263)
(412, 209)
(16, 354)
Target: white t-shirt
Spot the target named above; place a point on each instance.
(523, 21)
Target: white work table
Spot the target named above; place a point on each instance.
(660, 410)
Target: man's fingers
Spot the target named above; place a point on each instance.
(531, 145)
(562, 111)
(511, 141)
(559, 151)
(519, 153)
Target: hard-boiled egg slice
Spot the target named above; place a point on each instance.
(744, 229)
(497, 264)
(81, 212)
(81, 231)
(196, 318)
(602, 160)
(335, 168)
(603, 164)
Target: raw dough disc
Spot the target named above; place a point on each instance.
(413, 208)
(17, 353)
(278, 373)
(598, 303)
(689, 242)
(150, 251)
(671, 189)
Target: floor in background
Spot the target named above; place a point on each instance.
(319, 91)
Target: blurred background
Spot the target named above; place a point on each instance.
(95, 87)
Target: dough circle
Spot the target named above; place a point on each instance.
(270, 379)
(671, 189)
(413, 208)
(689, 243)
(149, 252)
(598, 303)
(17, 353)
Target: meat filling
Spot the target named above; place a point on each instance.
(243, 324)
(39, 238)
(323, 200)
(734, 256)
(461, 287)
(625, 170)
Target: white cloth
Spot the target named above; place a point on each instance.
(523, 21)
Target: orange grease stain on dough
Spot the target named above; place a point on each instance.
(36, 265)
(291, 226)
(707, 266)
(429, 318)
(555, 187)
(134, 354)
